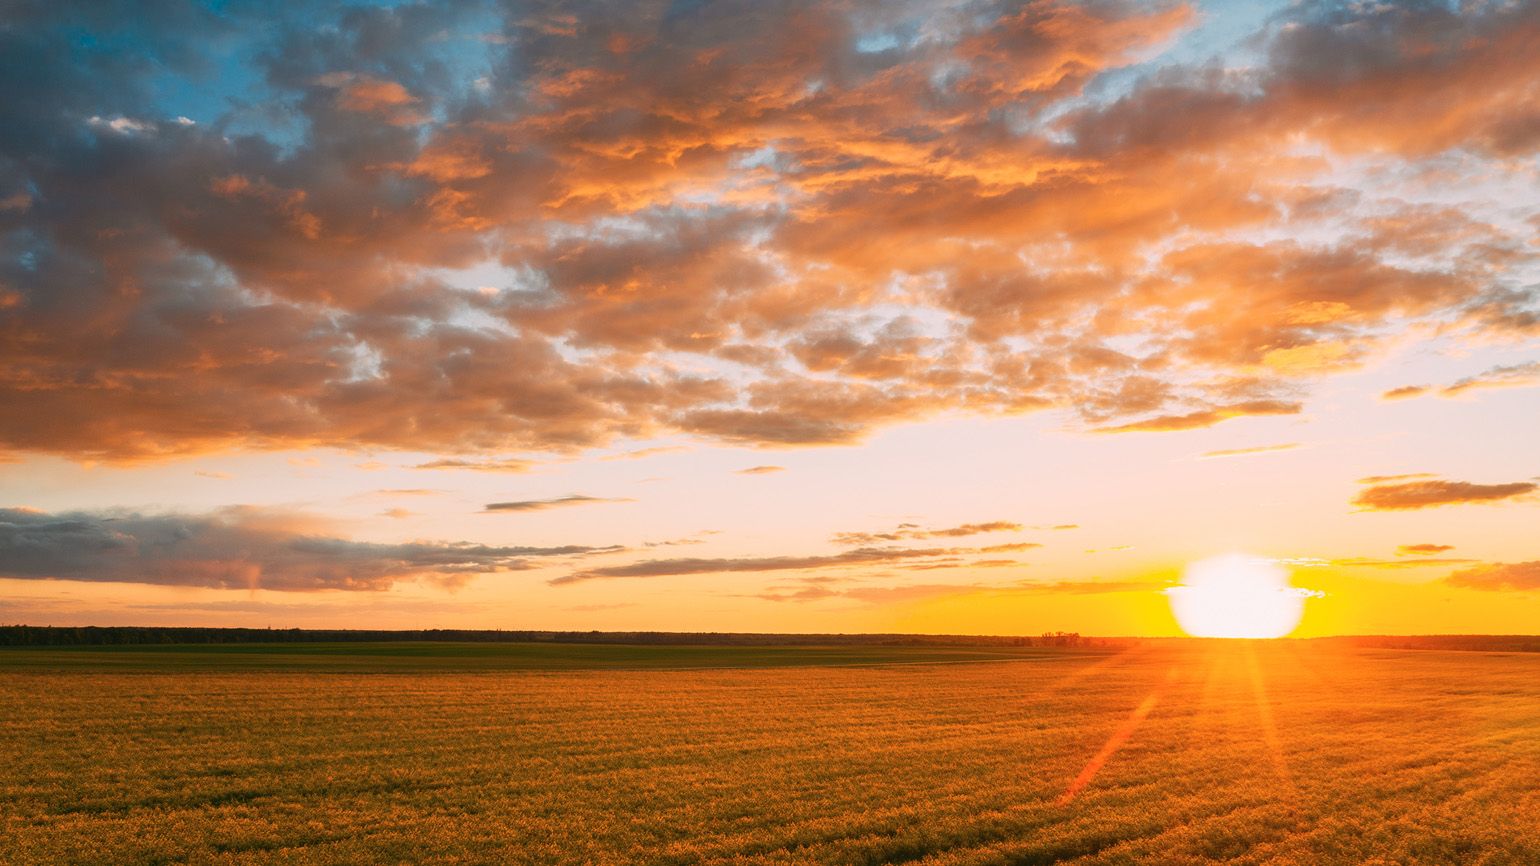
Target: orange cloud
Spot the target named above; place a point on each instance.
(909, 530)
(1511, 376)
(545, 504)
(1429, 494)
(1246, 452)
(1206, 417)
(1422, 549)
(762, 234)
(1519, 576)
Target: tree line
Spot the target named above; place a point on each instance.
(29, 635)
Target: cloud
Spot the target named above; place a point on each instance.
(544, 504)
(761, 470)
(1206, 417)
(1399, 563)
(1404, 392)
(1509, 376)
(924, 558)
(694, 565)
(1428, 494)
(607, 227)
(1247, 452)
(506, 465)
(1016, 547)
(1422, 549)
(1380, 479)
(911, 531)
(877, 595)
(1513, 376)
(1516, 576)
(237, 548)
(640, 453)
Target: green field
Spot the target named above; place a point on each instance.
(1181, 753)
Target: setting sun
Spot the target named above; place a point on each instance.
(1237, 596)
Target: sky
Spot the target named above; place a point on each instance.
(946, 317)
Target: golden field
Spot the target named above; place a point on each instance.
(1178, 752)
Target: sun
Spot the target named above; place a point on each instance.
(1237, 596)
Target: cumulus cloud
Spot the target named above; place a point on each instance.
(237, 548)
(1520, 576)
(735, 222)
(1388, 494)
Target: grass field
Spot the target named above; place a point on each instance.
(1277, 752)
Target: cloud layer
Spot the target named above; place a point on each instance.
(236, 548)
(467, 228)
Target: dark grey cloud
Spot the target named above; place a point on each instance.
(237, 548)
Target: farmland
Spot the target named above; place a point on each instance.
(1181, 752)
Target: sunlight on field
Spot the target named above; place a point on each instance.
(1183, 753)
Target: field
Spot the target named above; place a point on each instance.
(1181, 752)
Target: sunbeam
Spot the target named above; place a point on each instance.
(1115, 742)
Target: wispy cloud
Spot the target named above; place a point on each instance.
(694, 565)
(1248, 452)
(879, 595)
(911, 531)
(511, 465)
(1205, 417)
(1515, 576)
(1509, 376)
(545, 504)
(642, 453)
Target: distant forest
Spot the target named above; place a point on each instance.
(27, 635)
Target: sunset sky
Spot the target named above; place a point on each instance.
(967, 317)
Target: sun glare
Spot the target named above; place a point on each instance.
(1237, 596)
